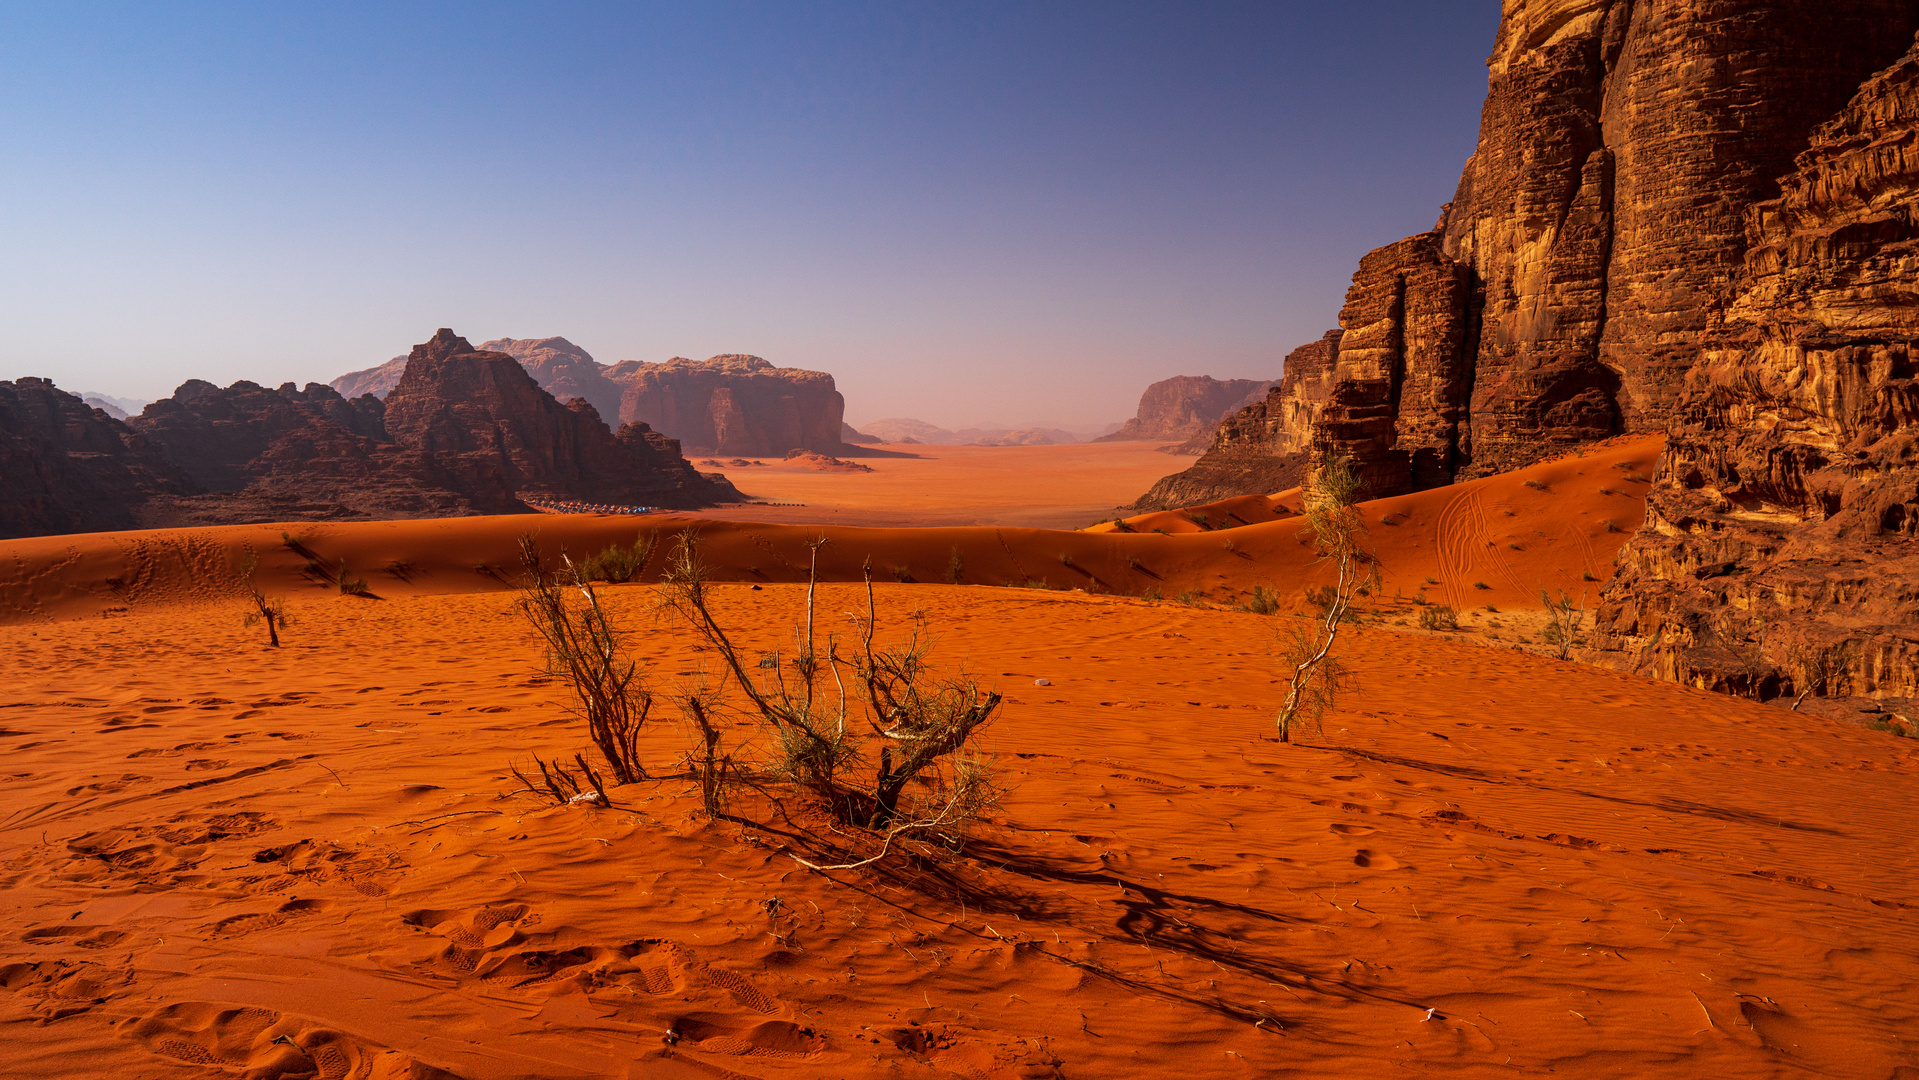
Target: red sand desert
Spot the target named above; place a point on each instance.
(224, 859)
(1046, 487)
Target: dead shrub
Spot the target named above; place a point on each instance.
(588, 652)
(272, 612)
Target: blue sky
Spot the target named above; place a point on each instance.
(1000, 213)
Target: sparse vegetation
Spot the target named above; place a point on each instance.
(1563, 621)
(271, 612)
(1189, 597)
(619, 564)
(1639, 478)
(1607, 491)
(955, 566)
(1481, 585)
(351, 585)
(1318, 674)
(902, 574)
(1152, 594)
(1492, 609)
(1610, 524)
(1514, 544)
(1432, 581)
(926, 781)
(1897, 726)
(562, 786)
(1202, 520)
(1536, 485)
(1264, 601)
(1066, 558)
(588, 653)
(1132, 562)
(1438, 617)
(1587, 576)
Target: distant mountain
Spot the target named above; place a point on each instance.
(117, 407)
(1187, 407)
(901, 429)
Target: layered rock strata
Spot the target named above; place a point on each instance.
(1779, 553)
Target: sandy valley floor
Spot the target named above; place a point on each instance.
(222, 859)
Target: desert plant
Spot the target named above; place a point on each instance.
(1587, 576)
(902, 574)
(1514, 544)
(1264, 601)
(1817, 667)
(588, 652)
(1317, 673)
(919, 734)
(619, 564)
(562, 786)
(1563, 620)
(272, 612)
(1481, 585)
(1152, 594)
(1065, 558)
(1438, 617)
(351, 585)
(1202, 520)
(955, 566)
(1432, 581)
(1536, 485)
(1189, 597)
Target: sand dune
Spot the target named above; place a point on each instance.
(1515, 534)
(222, 858)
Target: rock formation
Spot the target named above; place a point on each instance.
(1586, 260)
(729, 404)
(481, 415)
(1261, 448)
(378, 381)
(564, 370)
(1778, 555)
(66, 466)
(1697, 219)
(1181, 407)
(736, 404)
(852, 437)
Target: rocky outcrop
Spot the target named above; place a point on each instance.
(852, 437)
(66, 466)
(1261, 448)
(1176, 409)
(481, 415)
(1587, 260)
(736, 404)
(564, 370)
(1779, 555)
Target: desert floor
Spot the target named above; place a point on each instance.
(1042, 487)
(220, 858)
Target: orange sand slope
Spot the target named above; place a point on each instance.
(1539, 528)
(1045, 487)
(217, 858)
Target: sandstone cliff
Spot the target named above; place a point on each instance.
(736, 404)
(1779, 553)
(1176, 409)
(1587, 258)
(66, 466)
(730, 404)
(481, 415)
(564, 370)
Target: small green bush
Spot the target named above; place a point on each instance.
(1438, 617)
(1264, 601)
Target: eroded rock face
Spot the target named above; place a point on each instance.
(564, 370)
(1779, 551)
(66, 466)
(1587, 259)
(1262, 447)
(1179, 408)
(735, 404)
(481, 415)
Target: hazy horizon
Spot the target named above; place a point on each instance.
(993, 211)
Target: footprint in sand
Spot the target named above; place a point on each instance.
(267, 920)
